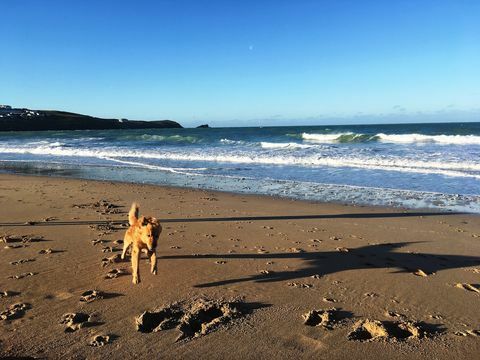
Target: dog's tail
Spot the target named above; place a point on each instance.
(133, 214)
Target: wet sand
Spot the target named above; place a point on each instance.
(239, 276)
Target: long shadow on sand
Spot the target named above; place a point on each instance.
(241, 218)
(330, 262)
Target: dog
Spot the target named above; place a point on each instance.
(142, 234)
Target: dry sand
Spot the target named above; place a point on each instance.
(239, 276)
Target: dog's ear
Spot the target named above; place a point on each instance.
(157, 230)
(142, 221)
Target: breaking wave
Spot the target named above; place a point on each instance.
(163, 138)
(454, 169)
(392, 138)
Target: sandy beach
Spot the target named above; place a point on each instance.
(239, 276)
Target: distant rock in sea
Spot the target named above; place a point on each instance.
(204, 126)
(12, 119)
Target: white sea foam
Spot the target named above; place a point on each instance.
(441, 139)
(186, 171)
(270, 145)
(323, 138)
(454, 169)
(232, 142)
(162, 138)
(393, 138)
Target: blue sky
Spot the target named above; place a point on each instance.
(244, 62)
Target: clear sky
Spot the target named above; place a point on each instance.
(244, 62)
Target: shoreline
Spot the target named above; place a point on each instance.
(278, 259)
(272, 196)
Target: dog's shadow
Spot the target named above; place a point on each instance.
(330, 262)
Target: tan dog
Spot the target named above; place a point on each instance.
(142, 234)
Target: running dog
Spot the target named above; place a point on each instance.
(142, 234)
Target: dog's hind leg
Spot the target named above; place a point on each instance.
(153, 262)
(135, 259)
(127, 241)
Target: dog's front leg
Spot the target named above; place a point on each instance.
(153, 262)
(135, 259)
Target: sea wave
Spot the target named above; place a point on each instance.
(179, 170)
(441, 139)
(347, 137)
(350, 137)
(290, 145)
(323, 138)
(232, 142)
(47, 143)
(455, 169)
(163, 138)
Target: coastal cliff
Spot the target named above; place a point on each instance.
(36, 120)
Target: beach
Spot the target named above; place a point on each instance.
(239, 276)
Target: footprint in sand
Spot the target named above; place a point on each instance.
(14, 311)
(300, 285)
(220, 262)
(327, 319)
(470, 287)
(8, 293)
(75, 321)
(32, 238)
(329, 300)
(295, 250)
(98, 242)
(467, 333)
(394, 314)
(115, 273)
(420, 272)
(15, 246)
(21, 276)
(192, 320)
(107, 249)
(9, 239)
(118, 242)
(91, 295)
(369, 330)
(45, 251)
(100, 340)
(365, 330)
(21, 261)
(111, 260)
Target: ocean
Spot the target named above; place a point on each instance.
(435, 166)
